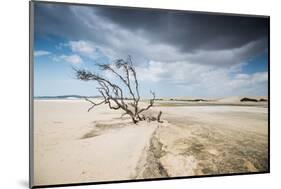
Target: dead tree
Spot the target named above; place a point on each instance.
(113, 94)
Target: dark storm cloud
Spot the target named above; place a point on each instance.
(213, 39)
(60, 20)
(190, 31)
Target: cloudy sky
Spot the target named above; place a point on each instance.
(175, 53)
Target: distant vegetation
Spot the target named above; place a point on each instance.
(245, 99)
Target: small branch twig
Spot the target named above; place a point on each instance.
(93, 103)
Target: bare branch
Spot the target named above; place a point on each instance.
(159, 117)
(135, 77)
(112, 93)
(93, 103)
(151, 103)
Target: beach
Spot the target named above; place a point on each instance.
(72, 145)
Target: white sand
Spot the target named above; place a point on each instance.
(61, 156)
(72, 145)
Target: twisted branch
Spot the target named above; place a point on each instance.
(93, 103)
(112, 93)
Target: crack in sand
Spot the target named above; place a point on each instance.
(149, 165)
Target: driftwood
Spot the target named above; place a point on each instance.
(113, 94)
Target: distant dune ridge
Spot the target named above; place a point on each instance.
(71, 97)
(233, 99)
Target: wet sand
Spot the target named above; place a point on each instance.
(206, 140)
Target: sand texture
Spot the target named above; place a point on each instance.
(72, 145)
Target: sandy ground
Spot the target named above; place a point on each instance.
(72, 145)
(202, 140)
